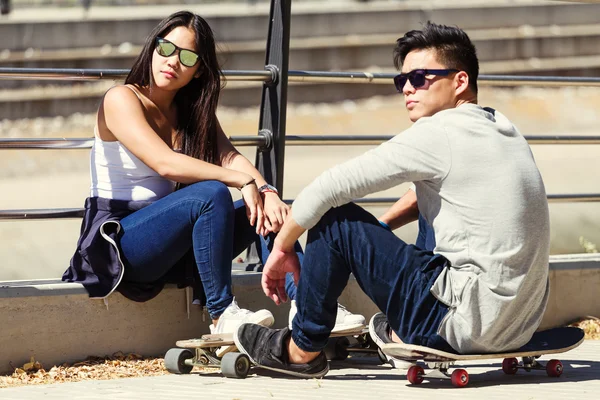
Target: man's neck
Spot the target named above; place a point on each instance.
(472, 99)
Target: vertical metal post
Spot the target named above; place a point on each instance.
(269, 159)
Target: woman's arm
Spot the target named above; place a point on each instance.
(125, 118)
(275, 210)
(230, 158)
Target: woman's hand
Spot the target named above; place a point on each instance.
(254, 206)
(275, 212)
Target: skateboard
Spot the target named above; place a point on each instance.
(342, 343)
(551, 341)
(203, 352)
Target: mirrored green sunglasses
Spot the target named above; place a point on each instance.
(166, 49)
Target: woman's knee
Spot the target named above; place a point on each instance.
(209, 196)
(214, 191)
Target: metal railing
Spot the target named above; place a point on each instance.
(293, 76)
(265, 138)
(262, 141)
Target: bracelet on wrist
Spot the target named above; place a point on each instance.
(266, 188)
(386, 226)
(247, 183)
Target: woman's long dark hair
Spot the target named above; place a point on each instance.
(197, 101)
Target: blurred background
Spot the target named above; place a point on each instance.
(533, 37)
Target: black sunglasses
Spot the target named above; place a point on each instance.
(166, 49)
(416, 77)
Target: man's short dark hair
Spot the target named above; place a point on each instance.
(452, 45)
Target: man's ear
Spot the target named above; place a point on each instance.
(462, 82)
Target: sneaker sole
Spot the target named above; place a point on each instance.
(283, 371)
(397, 363)
(349, 329)
(264, 320)
(375, 338)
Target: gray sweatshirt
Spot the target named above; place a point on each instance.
(478, 186)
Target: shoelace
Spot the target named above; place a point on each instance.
(235, 309)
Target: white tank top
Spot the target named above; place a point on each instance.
(116, 173)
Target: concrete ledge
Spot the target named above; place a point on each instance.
(56, 322)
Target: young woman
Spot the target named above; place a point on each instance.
(161, 167)
(160, 209)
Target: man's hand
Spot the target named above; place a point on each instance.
(278, 265)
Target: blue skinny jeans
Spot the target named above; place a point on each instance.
(202, 217)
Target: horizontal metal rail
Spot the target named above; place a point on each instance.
(43, 213)
(86, 143)
(344, 140)
(68, 74)
(54, 143)
(483, 80)
(291, 140)
(63, 213)
(293, 76)
(552, 198)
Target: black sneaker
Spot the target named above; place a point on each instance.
(380, 329)
(381, 333)
(267, 348)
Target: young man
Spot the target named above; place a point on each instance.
(484, 288)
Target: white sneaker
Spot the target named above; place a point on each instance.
(344, 320)
(233, 317)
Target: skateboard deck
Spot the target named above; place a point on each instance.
(226, 339)
(551, 341)
(203, 352)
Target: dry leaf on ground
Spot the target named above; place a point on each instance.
(118, 365)
(590, 325)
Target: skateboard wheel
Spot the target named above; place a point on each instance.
(460, 378)
(554, 368)
(510, 366)
(415, 375)
(235, 365)
(337, 349)
(175, 361)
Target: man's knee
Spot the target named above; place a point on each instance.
(347, 212)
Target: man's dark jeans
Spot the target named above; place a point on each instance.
(397, 276)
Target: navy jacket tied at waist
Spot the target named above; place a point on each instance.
(97, 263)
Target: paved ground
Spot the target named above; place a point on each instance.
(357, 378)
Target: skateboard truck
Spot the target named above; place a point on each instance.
(460, 377)
(553, 368)
(203, 353)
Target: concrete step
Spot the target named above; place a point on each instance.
(47, 29)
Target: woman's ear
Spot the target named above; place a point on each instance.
(198, 74)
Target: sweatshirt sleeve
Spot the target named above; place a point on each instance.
(420, 153)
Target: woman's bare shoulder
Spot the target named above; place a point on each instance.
(121, 94)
